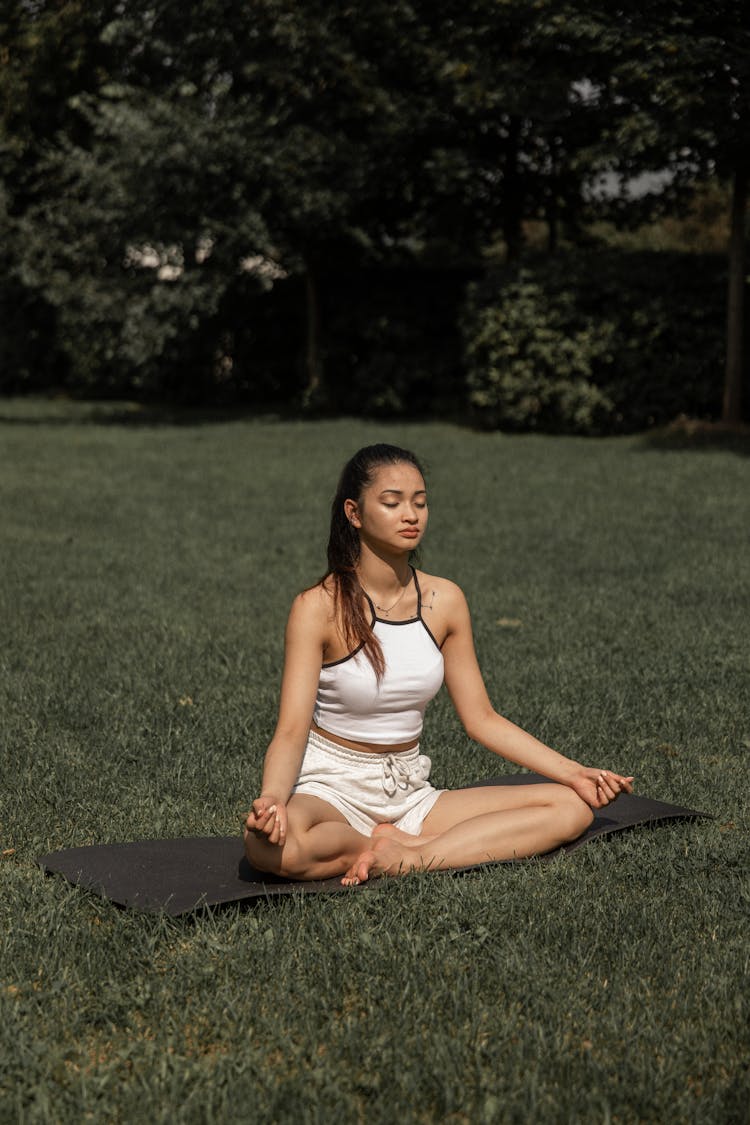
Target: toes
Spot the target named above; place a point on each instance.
(359, 872)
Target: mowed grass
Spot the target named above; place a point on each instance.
(146, 574)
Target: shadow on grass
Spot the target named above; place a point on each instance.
(134, 414)
(682, 435)
(693, 435)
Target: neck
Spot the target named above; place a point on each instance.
(380, 575)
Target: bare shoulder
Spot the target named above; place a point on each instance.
(443, 604)
(312, 608)
(432, 584)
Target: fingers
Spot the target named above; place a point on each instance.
(260, 815)
(277, 833)
(269, 820)
(605, 787)
(609, 785)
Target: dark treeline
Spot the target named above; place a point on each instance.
(385, 207)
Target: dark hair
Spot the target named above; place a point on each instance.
(343, 546)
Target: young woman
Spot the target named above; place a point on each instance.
(345, 790)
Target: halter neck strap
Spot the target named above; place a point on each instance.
(418, 615)
(419, 592)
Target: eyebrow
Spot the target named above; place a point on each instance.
(399, 491)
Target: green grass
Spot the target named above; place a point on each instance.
(146, 574)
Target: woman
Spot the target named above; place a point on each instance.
(345, 790)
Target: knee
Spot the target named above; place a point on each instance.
(270, 858)
(293, 863)
(577, 815)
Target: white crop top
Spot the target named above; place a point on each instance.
(352, 704)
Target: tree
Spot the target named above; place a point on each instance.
(681, 78)
(169, 161)
(513, 78)
(259, 135)
(50, 53)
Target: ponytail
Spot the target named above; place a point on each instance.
(343, 548)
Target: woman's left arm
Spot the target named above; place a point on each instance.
(463, 679)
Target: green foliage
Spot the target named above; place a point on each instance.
(313, 137)
(530, 361)
(682, 76)
(140, 247)
(596, 342)
(148, 153)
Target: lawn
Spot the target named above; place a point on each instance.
(147, 567)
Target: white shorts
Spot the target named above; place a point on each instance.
(369, 789)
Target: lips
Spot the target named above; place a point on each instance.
(409, 533)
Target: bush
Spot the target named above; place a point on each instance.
(596, 341)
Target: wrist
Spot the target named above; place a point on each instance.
(570, 771)
(274, 796)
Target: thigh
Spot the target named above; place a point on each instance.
(304, 811)
(457, 805)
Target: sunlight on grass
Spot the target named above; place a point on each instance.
(147, 571)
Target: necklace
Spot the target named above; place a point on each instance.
(382, 608)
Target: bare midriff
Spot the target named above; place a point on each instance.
(365, 747)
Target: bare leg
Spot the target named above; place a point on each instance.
(390, 832)
(475, 825)
(320, 842)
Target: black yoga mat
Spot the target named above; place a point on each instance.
(178, 876)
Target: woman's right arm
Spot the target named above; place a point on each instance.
(303, 656)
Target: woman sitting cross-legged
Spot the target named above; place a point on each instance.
(345, 788)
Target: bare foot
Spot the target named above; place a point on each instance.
(385, 857)
(390, 832)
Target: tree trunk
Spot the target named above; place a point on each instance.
(313, 366)
(552, 222)
(732, 405)
(513, 193)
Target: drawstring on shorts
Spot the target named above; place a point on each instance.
(369, 788)
(396, 775)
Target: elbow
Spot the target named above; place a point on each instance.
(290, 734)
(475, 724)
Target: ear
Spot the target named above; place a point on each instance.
(351, 513)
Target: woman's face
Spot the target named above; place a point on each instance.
(392, 510)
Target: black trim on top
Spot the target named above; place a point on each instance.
(385, 621)
(349, 655)
(419, 611)
(418, 588)
(430, 634)
(343, 659)
(407, 620)
(372, 608)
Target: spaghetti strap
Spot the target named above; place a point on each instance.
(419, 592)
(372, 608)
(425, 626)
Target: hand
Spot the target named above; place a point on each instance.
(598, 787)
(268, 817)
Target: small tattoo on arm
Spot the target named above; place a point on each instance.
(433, 595)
